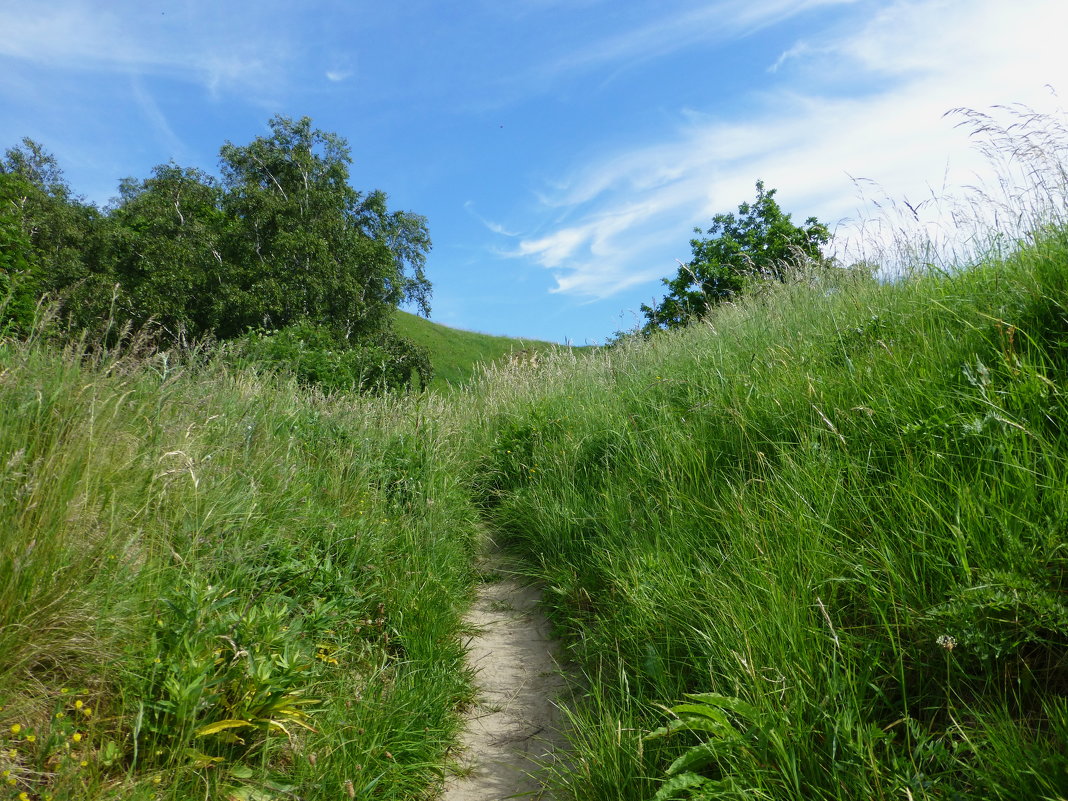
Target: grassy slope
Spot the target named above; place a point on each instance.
(842, 511)
(455, 353)
(197, 554)
(793, 506)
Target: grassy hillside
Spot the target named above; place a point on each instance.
(457, 354)
(832, 517)
(216, 585)
(812, 547)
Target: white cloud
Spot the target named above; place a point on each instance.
(170, 141)
(204, 43)
(674, 31)
(622, 211)
(492, 226)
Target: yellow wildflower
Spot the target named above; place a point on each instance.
(78, 704)
(16, 728)
(76, 737)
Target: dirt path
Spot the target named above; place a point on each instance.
(514, 724)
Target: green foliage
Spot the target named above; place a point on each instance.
(1005, 617)
(318, 356)
(760, 243)
(303, 245)
(281, 240)
(162, 246)
(222, 675)
(202, 550)
(47, 234)
(843, 509)
(717, 719)
(18, 279)
(511, 461)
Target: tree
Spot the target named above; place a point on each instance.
(18, 273)
(759, 243)
(280, 242)
(56, 224)
(162, 247)
(302, 245)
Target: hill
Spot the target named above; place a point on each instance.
(812, 547)
(832, 516)
(456, 354)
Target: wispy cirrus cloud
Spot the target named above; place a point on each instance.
(880, 90)
(679, 28)
(490, 225)
(170, 141)
(219, 49)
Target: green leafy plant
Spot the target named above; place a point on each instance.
(223, 675)
(318, 356)
(726, 725)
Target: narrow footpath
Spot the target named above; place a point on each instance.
(514, 725)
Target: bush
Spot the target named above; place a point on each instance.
(316, 356)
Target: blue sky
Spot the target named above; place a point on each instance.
(562, 150)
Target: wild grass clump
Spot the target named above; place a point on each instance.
(813, 547)
(214, 583)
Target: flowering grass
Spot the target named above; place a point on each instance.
(255, 590)
(835, 515)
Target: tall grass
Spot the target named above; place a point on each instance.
(214, 583)
(845, 509)
(837, 509)
(811, 547)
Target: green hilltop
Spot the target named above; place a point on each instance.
(456, 354)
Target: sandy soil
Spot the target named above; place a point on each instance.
(515, 723)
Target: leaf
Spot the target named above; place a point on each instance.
(702, 710)
(668, 728)
(731, 704)
(717, 726)
(201, 760)
(697, 757)
(248, 793)
(274, 724)
(685, 781)
(220, 725)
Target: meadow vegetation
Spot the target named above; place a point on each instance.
(458, 356)
(809, 547)
(838, 518)
(219, 584)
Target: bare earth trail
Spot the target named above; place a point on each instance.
(515, 722)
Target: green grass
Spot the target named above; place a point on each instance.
(812, 547)
(254, 589)
(839, 508)
(457, 355)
